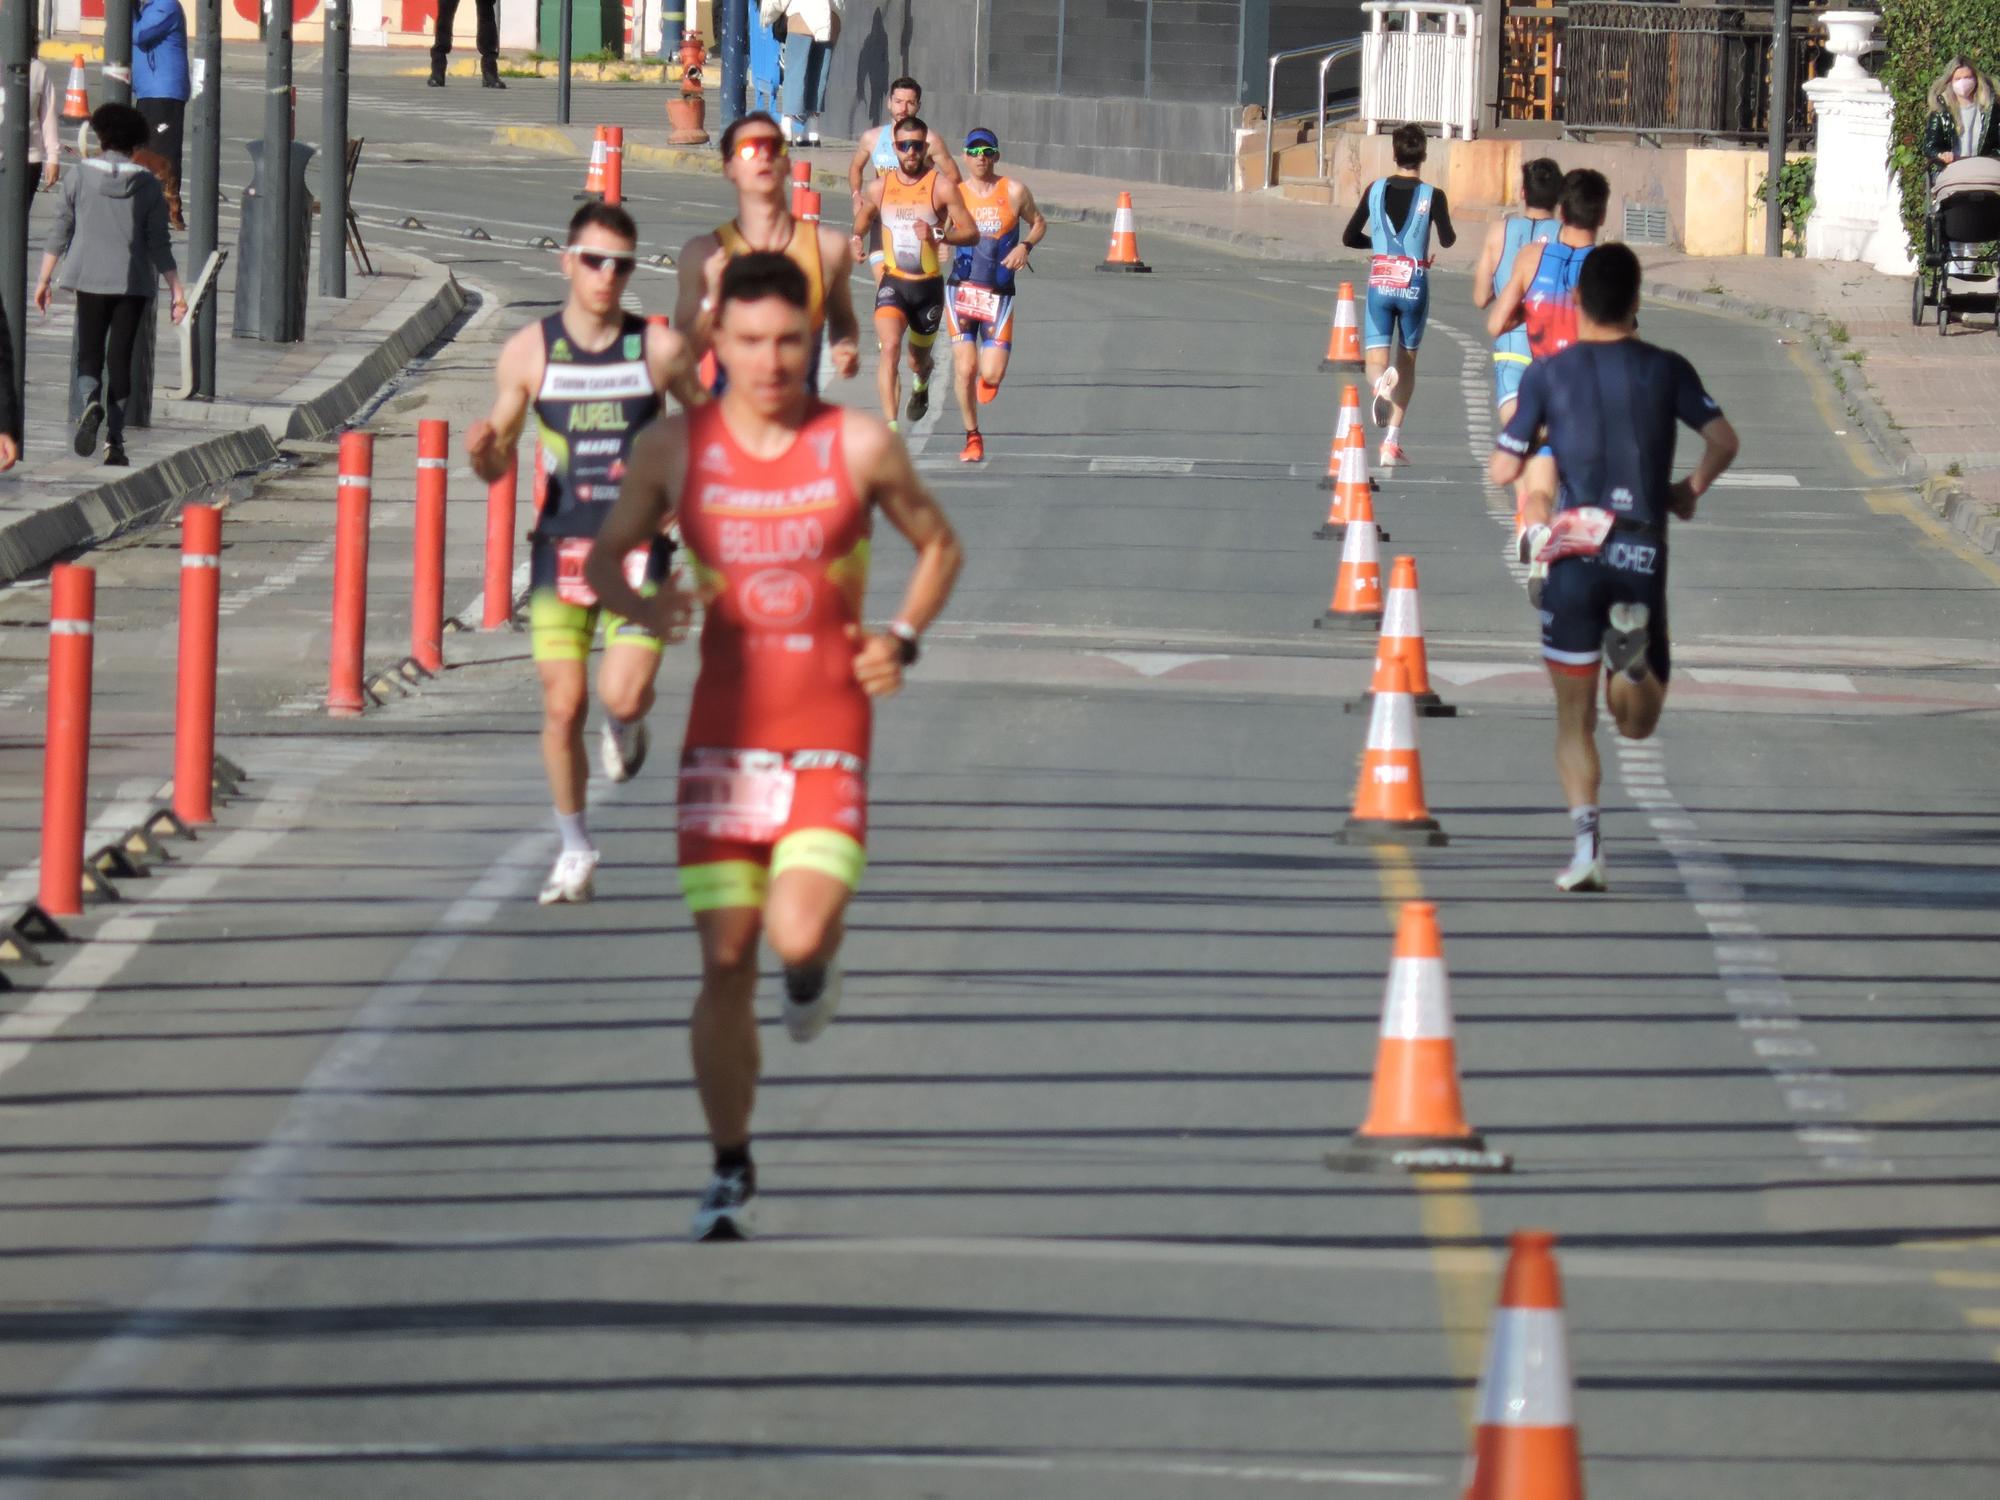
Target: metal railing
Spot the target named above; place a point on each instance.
(1421, 64)
(1328, 53)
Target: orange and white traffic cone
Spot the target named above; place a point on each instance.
(1389, 794)
(1402, 644)
(1343, 344)
(1526, 1447)
(593, 176)
(1350, 414)
(1355, 497)
(1124, 252)
(76, 96)
(1415, 1117)
(1357, 586)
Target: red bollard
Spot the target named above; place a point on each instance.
(194, 703)
(614, 164)
(501, 499)
(808, 206)
(427, 595)
(802, 173)
(66, 756)
(350, 573)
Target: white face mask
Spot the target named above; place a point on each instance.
(1964, 87)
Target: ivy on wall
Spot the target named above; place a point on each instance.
(1921, 36)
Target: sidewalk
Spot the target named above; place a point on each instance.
(1927, 403)
(53, 502)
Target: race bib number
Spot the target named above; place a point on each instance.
(1576, 533)
(973, 303)
(1392, 273)
(748, 800)
(571, 552)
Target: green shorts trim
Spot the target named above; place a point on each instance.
(724, 883)
(561, 631)
(826, 850)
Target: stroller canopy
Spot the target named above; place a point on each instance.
(1971, 174)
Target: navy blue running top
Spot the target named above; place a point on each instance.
(1609, 411)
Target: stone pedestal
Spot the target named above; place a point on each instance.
(1856, 204)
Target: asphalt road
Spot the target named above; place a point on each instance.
(334, 1164)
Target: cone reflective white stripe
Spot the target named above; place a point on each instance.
(1399, 616)
(1361, 547)
(1392, 723)
(1527, 1380)
(1417, 1005)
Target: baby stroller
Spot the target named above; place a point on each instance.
(1964, 210)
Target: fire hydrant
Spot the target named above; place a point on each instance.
(687, 114)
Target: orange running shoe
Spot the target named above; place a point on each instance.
(986, 391)
(974, 451)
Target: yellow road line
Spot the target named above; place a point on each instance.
(1467, 1275)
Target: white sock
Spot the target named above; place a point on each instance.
(1583, 820)
(1390, 433)
(575, 835)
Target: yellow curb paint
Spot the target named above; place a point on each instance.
(61, 51)
(1466, 1273)
(1983, 1317)
(1968, 1281)
(543, 138)
(1949, 1247)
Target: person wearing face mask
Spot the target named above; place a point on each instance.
(1963, 122)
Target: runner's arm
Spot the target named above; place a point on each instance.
(1719, 443)
(867, 208)
(941, 159)
(1505, 313)
(881, 468)
(1355, 235)
(843, 328)
(1030, 214)
(1489, 262)
(647, 500)
(857, 166)
(961, 228)
(490, 442)
(691, 320)
(1517, 440)
(1441, 218)
(672, 364)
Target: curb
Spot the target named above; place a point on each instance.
(640, 70)
(103, 511)
(1978, 521)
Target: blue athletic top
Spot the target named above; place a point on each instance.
(1412, 240)
(884, 156)
(1609, 411)
(1512, 346)
(1548, 311)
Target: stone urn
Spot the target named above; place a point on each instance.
(687, 113)
(1850, 36)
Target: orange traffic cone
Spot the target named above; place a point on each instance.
(1357, 586)
(1350, 414)
(1526, 1445)
(76, 97)
(593, 176)
(1415, 1118)
(1353, 498)
(1402, 644)
(1124, 252)
(1389, 794)
(1343, 344)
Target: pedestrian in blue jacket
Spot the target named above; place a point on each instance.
(160, 75)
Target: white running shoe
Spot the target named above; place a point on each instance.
(621, 755)
(1392, 456)
(1584, 875)
(571, 879)
(1626, 637)
(728, 1208)
(804, 1022)
(1385, 387)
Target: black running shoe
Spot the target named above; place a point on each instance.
(920, 402)
(1626, 639)
(728, 1209)
(86, 429)
(114, 458)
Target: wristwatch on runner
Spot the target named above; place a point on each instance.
(906, 635)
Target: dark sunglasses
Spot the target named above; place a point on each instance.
(597, 260)
(982, 150)
(913, 145)
(764, 147)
